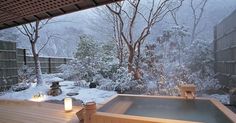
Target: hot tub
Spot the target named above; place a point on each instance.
(158, 109)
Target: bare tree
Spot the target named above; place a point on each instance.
(112, 24)
(31, 31)
(118, 38)
(126, 22)
(198, 10)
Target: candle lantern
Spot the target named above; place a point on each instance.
(68, 104)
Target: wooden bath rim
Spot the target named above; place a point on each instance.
(104, 117)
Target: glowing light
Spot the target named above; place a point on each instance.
(68, 104)
(38, 97)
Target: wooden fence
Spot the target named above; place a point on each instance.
(48, 64)
(12, 58)
(225, 50)
(8, 64)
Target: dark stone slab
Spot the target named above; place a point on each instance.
(72, 94)
(92, 85)
(76, 102)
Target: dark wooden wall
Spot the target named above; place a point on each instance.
(48, 64)
(8, 64)
(225, 50)
(12, 58)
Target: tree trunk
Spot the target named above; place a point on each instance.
(121, 57)
(193, 33)
(38, 72)
(130, 59)
(137, 72)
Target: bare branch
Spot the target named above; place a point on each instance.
(136, 6)
(174, 16)
(21, 31)
(197, 17)
(43, 23)
(48, 39)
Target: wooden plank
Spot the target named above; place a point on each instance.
(119, 118)
(225, 110)
(38, 112)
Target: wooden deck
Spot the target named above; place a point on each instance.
(35, 112)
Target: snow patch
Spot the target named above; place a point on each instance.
(222, 98)
(85, 94)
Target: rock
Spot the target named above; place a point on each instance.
(92, 85)
(55, 85)
(55, 89)
(54, 92)
(72, 94)
(118, 89)
(55, 101)
(70, 88)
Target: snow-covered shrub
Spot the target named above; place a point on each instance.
(69, 70)
(77, 70)
(87, 48)
(25, 77)
(108, 63)
(21, 86)
(81, 83)
(4, 87)
(25, 73)
(107, 84)
(108, 70)
(201, 58)
(200, 64)
(175, 60)
(205, 83)
(93, 62)
(125, 82)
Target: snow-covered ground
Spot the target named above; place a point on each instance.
(85, 94)
(222, 98)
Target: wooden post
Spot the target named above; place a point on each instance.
(65, 60)
(232, 68)
(49, 66)
(90, 109)
(24, 54)
(188, 90)
(215, 49)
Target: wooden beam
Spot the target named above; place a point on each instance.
(48, 14)
(26, 20)
(95, 3)
(17, 15)
(77, 6)
(16, 22)
(63, 11)
(38, 18)
(6, 24)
